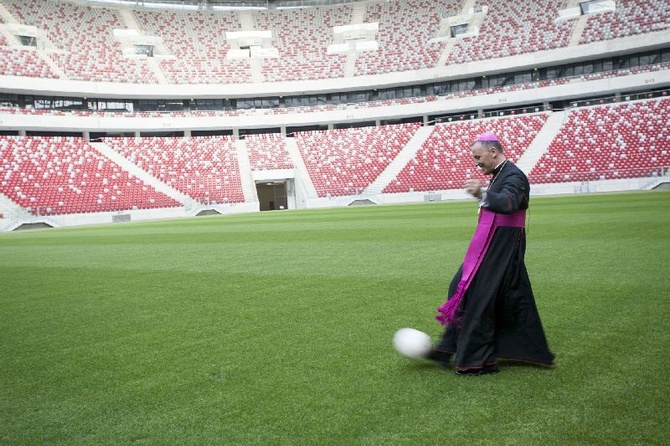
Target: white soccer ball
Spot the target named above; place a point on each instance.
(412, 343)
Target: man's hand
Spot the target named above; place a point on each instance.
(474, 188)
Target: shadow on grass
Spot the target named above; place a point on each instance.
(426, 366)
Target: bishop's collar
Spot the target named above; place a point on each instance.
(498, 168)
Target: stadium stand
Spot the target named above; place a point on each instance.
(345, 161)
(332, 107)
(268, 151)
(604, 142)
(61, 175)
(20, 62)
(196, 48)
(197, 45)
(630, 18)
(405, 29)
(618, 139)
(513, 28)
(444, 160)
(84, 37)
(302, 38)
(204, 168)
(65, 175)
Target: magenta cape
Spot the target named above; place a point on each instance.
(479, 245)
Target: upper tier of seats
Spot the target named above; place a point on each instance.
(405, 29)
(301, 37)
(196, 46)
(85, 40)
(197, 42)
(24, 62)
(513, 28)
(630, 18)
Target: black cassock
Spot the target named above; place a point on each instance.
(497, 317)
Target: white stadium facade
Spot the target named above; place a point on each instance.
(123, 110)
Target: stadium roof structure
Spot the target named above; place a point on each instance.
(223, 4)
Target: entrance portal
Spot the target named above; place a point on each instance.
(272, 195)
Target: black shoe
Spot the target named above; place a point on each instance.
(441, 358)
(486, 370)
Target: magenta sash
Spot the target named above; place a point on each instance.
(479, 245)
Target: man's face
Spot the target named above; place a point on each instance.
(485, 158)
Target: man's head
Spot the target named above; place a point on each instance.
(487, 152)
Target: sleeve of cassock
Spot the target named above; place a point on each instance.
(508, 195)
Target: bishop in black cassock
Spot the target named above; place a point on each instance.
(490, 313)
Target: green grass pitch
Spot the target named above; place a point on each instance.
(275, 329)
